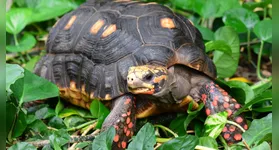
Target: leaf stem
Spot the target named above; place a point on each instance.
(233, 123)
(167, 129)
(248, 46)
(82, 125)
(162, 140)
(259, 62)
(16, 41)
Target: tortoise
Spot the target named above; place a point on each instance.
(140, 58)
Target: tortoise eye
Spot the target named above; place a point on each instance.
(148, 77)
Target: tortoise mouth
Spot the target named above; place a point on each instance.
(141, 90)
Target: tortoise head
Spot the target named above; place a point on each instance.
(146, 79)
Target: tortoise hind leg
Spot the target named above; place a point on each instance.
(122, 117)
(216, 100)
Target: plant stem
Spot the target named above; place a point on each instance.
(16, 41)
(167, 129)
(162, 140)
(259, 61)
(248, 46)
(81, 126)
(233, 123)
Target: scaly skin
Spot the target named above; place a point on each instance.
(122, 117)
(217, 100)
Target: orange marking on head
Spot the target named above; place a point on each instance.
(226, 105)
(237, 106)
(207, 111)
(226, 136)
(128, 120)
(97, 26)
(70, 22)
(237, 137)
(116, 138)
(128, 100)
(130, 125)
(158, 79)
(225, 129)
(215, 103)
(229, 112)
(123, 144)
(167, 23)
(238, 119)
(245, 126)
(232, 128)
(112, 28)
(128, 132)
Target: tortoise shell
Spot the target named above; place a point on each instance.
(90, 49)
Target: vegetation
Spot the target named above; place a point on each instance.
(237, 37)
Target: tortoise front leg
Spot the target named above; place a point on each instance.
(122, 117)
(216, 100)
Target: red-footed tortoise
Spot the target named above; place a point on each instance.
(141, 57)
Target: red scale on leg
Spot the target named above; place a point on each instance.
(130, 125)
(116, 138)
(225, 129)
(128, 120)
(207, 111)
(226, 105)
(245, 126)
(123, 144)
(215, 103)
(237, 106)
(227, 136)
(128, 132)
(239, 119)
(229, 112)
(232, 128)
(237, 137)
(127, 101)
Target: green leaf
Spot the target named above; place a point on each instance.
(11, 111)
(227, 64)
(191, 115)
(27, 42)
(38, 126)
(66, 112)
(265, 96)
(59, 107)
(13, 72)
(207, 34)
(176, 125)
(104, 140)
(45, 113)
(214, 124)
(48, 9)
(261, 86)
(33, 87)
(73, 121)
(56, 123)
(258, 130)
(221, 46)
(20, 125)
(22, 145)
(263, 146)
(263, 30)
(186, 142)
(82, 145)
(249, 93)
(208, 142)
(17, 19)
(31, 63)
(100, 111)
(59, 138)
(144, 140)
(241, 19)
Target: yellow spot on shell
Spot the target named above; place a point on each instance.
(92, 95)
(97, 26)
(167, 23)
(109, 30)
(73, 85)
(70, 22)
(107, 97)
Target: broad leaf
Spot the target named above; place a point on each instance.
(261, 86)
(221, 46)
(31, 63)
(20, 125)
(100, 111)
(214, 124)
(207, 34)
(104, 140)
(13, 72)
(145, 139)
(33, 87)
(45, 113)
(59, 138)
(22, 145)
(263, 30)
(191, 115)
(249, 93)
(73, 121)
(186, 142)
(56, 123)
(208, 142)
(241, 19)
(262, 146)
(265, 96)
(258, 129)
(27, 42)
(227, 64)
(66, 112)
(17, 19)
(176, 125)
